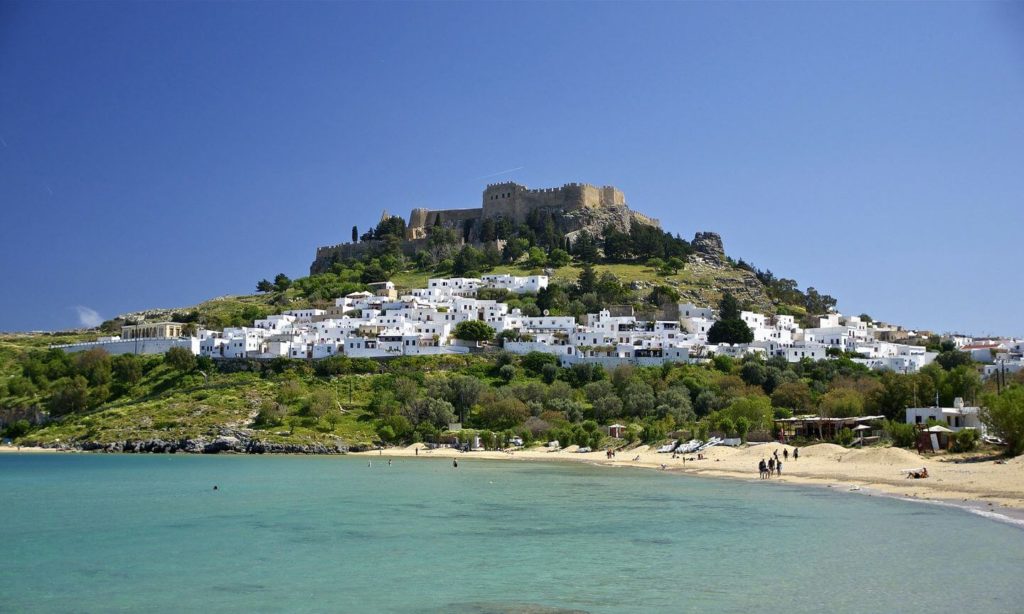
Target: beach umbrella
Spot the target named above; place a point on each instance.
(937, 429)
(862, 428)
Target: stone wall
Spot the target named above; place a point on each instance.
(421, 220)
(514, 201)
(577, 207)
(329, 254)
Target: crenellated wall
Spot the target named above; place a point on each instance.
(421, 220)
(514, 201)
(577, 206)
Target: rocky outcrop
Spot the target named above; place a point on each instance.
(229, 441)
(708, 245)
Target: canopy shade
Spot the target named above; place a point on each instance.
(937, 429)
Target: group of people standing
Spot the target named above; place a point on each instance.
(774, 463)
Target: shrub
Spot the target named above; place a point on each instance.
(844, 437)
(17, 429)
(473, 330)
(507, 373)
(1004, 415)
(181, 359)
(902, 435)
(965, 440)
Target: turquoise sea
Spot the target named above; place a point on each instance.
(103, 533)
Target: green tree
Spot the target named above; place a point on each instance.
(729, 328)
(757, 410)
(264, 285)
(70, 395)
(1004, 416)
(473, 330)
(730, 331)
(728, 307)
(950, 359)
(180, 359)
(663, 295)
(674, 264)
(507, 373)
(743, 427)
(792, 395)
(321, 403)
(841, 403)
(558, 258)
(587, 281)
(536, 257)
(503, 413)
(437, 412)
(126, 370)
(282, 282)
(18, 428)
(514, 249)
(534, 362)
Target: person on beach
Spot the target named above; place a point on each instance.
(771, 466)
(776, 455)
(417, 451)
(785, 454)
(761, 467)
(796, 453)
(455, 463)
(778, 469)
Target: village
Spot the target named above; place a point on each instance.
(381, 323)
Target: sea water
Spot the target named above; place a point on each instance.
(102, 533)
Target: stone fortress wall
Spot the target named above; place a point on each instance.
(421, 220)
(576, 205)
(513, 201)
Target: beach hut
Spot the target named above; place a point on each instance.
(615, 430)
(934, 438)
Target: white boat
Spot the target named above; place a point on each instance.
(667, 447)
(689, 446)
(714, 441)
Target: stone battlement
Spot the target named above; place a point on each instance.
(572, 203)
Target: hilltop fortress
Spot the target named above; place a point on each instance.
(574, 207)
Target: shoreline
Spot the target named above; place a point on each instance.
(985, 488)
(981, 487)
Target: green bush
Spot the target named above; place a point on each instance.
(965, 440)
(844, 437)
(901, 434)
(17, 429)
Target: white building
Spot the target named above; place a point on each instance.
(955, 418)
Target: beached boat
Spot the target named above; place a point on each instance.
(668, 447)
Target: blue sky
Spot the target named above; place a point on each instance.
(158, 154)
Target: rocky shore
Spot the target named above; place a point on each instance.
(228, 441)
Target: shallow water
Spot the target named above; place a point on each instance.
(100, 533)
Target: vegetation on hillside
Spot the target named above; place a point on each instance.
(46, 396)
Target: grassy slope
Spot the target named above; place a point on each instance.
(172, 406)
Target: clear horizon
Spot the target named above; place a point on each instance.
(160, 154)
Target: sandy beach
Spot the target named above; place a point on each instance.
(952, 478)
(27, 450)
